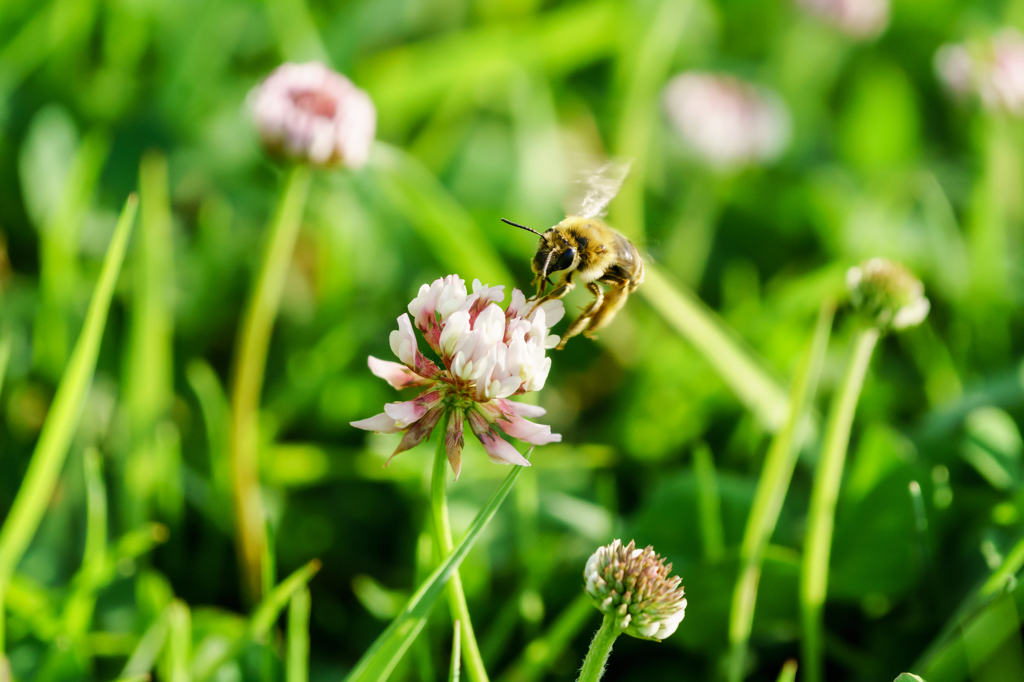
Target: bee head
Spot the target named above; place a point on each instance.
(556, 253)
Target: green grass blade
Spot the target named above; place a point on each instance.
(824, 495)
(710, 503)
(772, 487)
(146, 652)
(542, 652)
(735, 363)
(788, 672)
(458, 242)
(149, 376)
(267, 612)
(179, 642)
(381, 658)
(453, 671)
(297, 663)
(261, 621)
(213, 403)
(48, 459)
(96, 511)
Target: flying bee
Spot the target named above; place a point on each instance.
(585, 249)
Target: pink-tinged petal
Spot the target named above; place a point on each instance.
(399, 376)
(538, 434)
(522, 409)
(380, 423)
(410, 411)
(498, 449)
(403, 341)
(419, 431)
(454, 441)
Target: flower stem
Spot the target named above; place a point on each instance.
(824, 494)
(600, 647)
(443, 529)
(251, 355)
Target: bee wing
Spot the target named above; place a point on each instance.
(595, 187)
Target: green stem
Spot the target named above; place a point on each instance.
(600, 647)
(253, 340)
(824, 494)
(443, 529)
(771, 493)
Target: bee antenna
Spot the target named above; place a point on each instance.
(522, 227)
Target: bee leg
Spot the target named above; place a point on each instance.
(613, 302)
(558, 292)
(584, 319)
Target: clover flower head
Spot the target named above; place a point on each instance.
(487, 355)
(309, 113)
(860, 19)
(634, 586)
(725, 122)
(992, 70)
(887, 293)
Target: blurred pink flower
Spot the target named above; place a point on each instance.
(861, 19)
(310, 113)
(726, 122)
(992, 69)
(488, 354)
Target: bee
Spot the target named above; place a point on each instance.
(583, 248)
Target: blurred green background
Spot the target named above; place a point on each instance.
(480, 104)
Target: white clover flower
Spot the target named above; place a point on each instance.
(861, 19)
(310, 113)
(726, 122)
(992, 69)
(887, 293)
(633, 585)
(488, 354)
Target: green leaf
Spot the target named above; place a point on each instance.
(385, 653)
(909, 677)
(62, 421)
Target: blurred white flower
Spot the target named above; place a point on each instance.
(726, 122)
(992, 69)
(634, 586)
(861, 19)
(310, 113)
(489, 354)
(887, 293)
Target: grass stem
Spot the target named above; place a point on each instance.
(824, 494)
(772, 487)
(251, 356)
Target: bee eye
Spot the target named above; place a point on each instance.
(565, 260)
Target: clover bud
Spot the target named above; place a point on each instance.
(633, 586)
(887, 293)
(309, 113)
